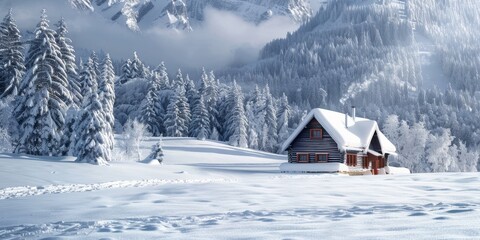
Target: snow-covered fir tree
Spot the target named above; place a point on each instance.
(151, 109)
(258, 109)
(283, 115)
(182, 106)
(138, 69)
(190, 91)
(44, 95)
(88, 78)
(89, 86)
(92, 132)
(96, 64)
(252, 127)
(173, 123)
(200, 124)
(270, 122)
(106, 94)
(126, 72)
(12, 66)
(236, 122)
(208, 89)
(178, 81)
(184, 109)
(163, 81)
(68, 57)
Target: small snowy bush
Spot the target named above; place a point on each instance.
(157, 152)
(133, 135)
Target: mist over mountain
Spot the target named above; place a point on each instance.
(183, 14)
(216, 42)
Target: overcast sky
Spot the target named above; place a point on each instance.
(223, 38)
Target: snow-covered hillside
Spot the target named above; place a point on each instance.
(208, 190)
(182, 14)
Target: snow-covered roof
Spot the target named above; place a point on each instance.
(358, 135)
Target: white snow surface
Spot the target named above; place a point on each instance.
(397, 170)
(358, 135)
(208, 190)
(314, 167)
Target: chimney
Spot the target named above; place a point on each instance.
(353, 113)
(346, 120)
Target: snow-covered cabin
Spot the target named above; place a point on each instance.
(328, 141)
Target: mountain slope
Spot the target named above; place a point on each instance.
(183, 14)
(413, 58)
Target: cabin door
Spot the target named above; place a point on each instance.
(375, 163)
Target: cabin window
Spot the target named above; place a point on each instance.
(366, 163)
(302, 157)
(352, 160)
(321, 157)
(316, 133)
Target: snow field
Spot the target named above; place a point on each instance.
(208, 190)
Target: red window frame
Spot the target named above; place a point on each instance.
(351, 159)
(314, 130)
(317, 159)
(303, 154)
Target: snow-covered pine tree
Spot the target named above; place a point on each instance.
(88, 79)
(138, 69)
(184, 110)
(92, 132)
(41, 106)
(178, 81)
(106, 93)
(252, 127)
(258, 108)
(270, 122)
(6, 123)
(190, 91)
(150, 113)
(173, 122)
(89, 85)
(236, 122)
(208, 90)
(163, 81)
(283, 115)
(96, 64)
(204, 82)
(12, 67)
(200, 124)
(68, 56)
(127, 72)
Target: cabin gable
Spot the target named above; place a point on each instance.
(375, 143)
(316, 147)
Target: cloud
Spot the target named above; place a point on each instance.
(223, 39)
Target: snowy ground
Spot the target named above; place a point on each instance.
(208, 190)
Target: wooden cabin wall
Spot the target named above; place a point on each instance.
(303, 144)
